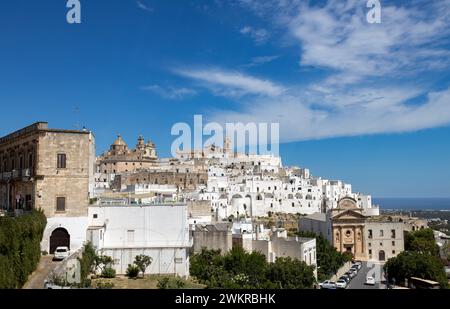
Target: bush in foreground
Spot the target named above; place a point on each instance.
(132, 271)
(20, 252)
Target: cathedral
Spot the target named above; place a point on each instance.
(121, 159)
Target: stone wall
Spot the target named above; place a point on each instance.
(71, 182)
(185, 181)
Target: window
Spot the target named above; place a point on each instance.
(370, 244)
(370, 234)
(95, 216)
(61, 160)
(381, 244)
(393, 243)
(130, 236)
(381, 233)
(392, 233)
(370, 251)
(393, 251)
(60, 204)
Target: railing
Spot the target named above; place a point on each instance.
(15, 174)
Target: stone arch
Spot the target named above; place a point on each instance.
(60, 237)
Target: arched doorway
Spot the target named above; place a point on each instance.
(59, 238)
(381, 255)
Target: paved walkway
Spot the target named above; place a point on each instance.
(37, 278)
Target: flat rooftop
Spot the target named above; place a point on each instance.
(37, 127)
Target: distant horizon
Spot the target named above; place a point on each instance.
(411, 203)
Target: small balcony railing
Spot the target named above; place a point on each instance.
(16, 174)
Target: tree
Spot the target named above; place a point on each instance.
(207, 267)
(414, 264)
(287, 273)
(103, 262)
(422, 241)
(239, 269)
(142, 262)
(87, 263)
(329, 260)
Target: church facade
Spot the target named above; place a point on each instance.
(375, 238)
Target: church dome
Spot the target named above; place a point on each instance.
(119, 143)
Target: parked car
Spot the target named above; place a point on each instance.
(346, 278)
(341, 284)
(355, 268)
(351, 273)
(328, 284)
(357, 264)
(61, 253)
(370, 280)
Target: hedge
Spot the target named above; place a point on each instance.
(20, 252)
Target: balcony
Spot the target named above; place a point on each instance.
(16, 175)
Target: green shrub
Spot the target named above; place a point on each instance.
(142, 262)
(20, 250)
(132, 271)
(170, 283)
(163, 283)
(87, 263)
(109, 272)
(104, 285)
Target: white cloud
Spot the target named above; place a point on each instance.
(255, 61)
(171, 93)
(260, 35)
(232, 84)
(370, 70)
(336, 36)
(143, 6)
(363, 113)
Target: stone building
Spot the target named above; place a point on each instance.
(184, 181)
(120, 159)
(52, 170)
(349, 230)
(212, 237)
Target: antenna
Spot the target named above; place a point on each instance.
(76, 113)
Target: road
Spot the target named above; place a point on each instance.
(37, 278)
(358, 282)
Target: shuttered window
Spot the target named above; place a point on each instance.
(60, 204)
(61, 160)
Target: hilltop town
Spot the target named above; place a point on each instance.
(128, 202)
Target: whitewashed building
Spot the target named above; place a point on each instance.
(159, 231)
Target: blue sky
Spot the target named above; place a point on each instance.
(365, 103)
